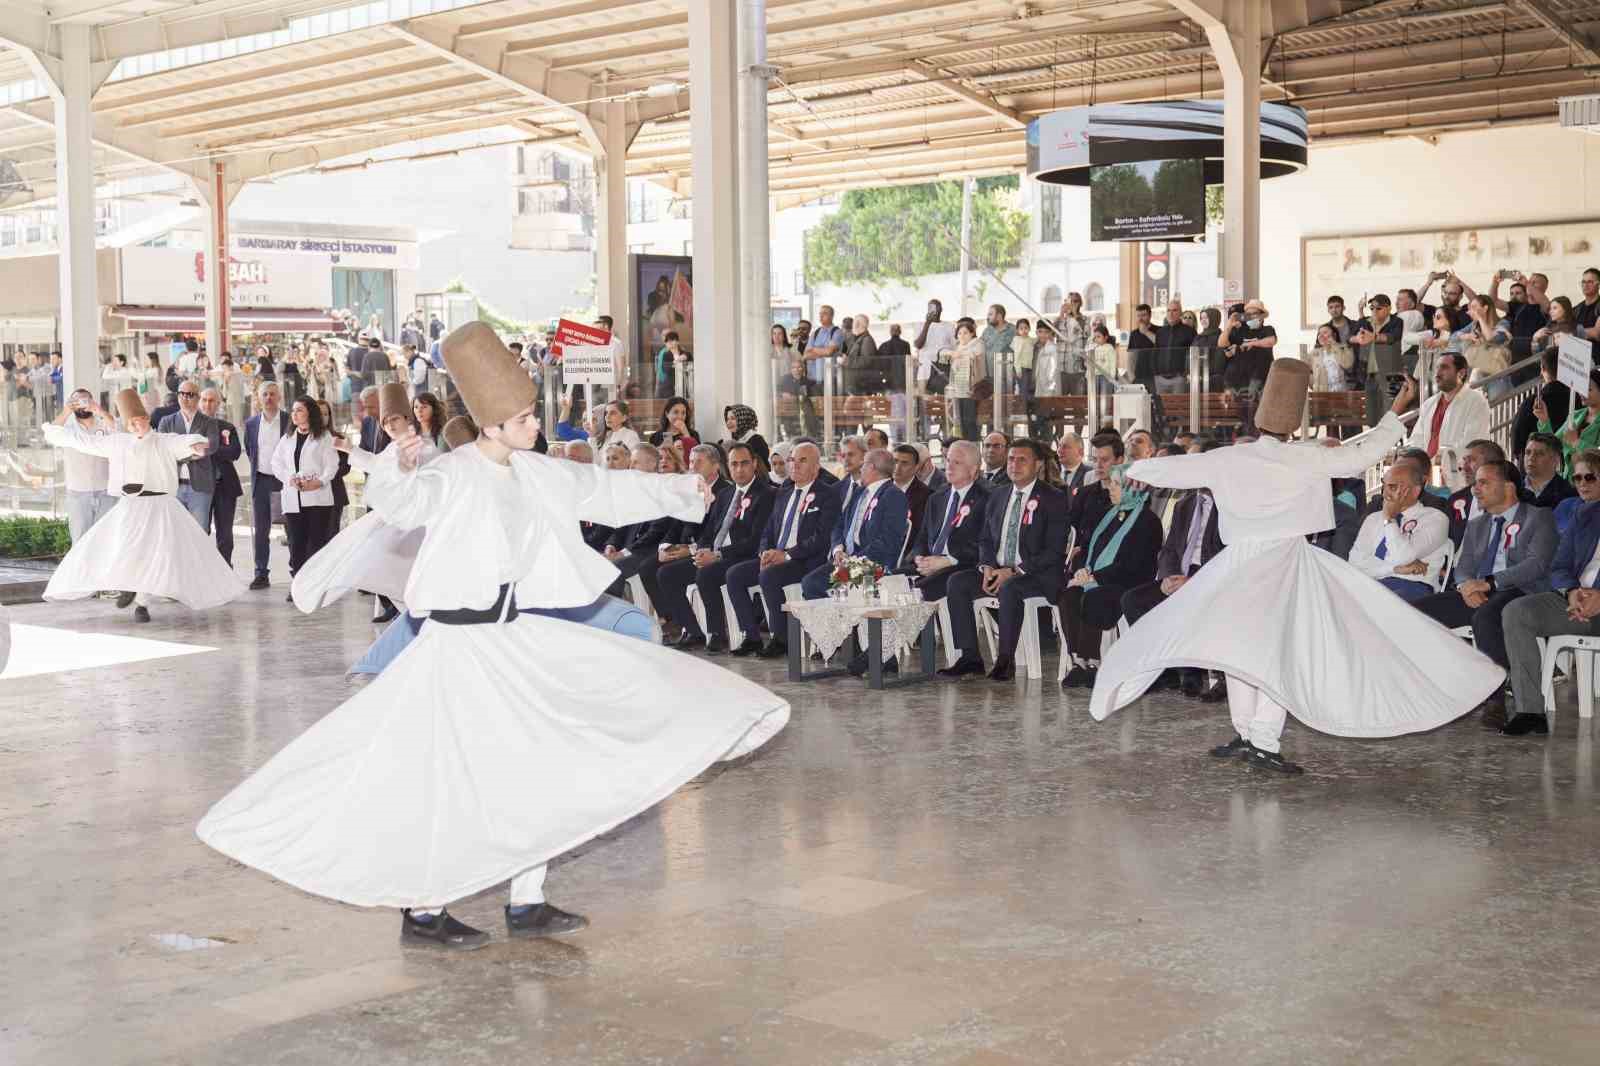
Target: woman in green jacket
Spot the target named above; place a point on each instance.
(1582, 429)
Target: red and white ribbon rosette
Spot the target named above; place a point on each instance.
(961, 515)
(1511, 534)
(1027, 512)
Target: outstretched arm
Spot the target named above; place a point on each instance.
(623, 497)
(1180, 471)
(79, 441)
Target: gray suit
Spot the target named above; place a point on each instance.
(195, 493)
(1526, 572)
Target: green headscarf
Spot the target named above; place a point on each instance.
(1132, 503)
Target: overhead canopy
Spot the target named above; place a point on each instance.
(870, 92)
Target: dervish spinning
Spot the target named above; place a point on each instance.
(486, 748)
(1296, 629)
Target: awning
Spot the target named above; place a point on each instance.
(244, 320)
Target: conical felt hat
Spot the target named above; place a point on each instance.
(1283, 401)
(129, 405)
(459, 432)
(492, 382)
(392, 400)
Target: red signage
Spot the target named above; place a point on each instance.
(578, 333)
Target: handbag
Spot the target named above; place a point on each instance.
(938, 379)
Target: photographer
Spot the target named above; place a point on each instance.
(87, 498)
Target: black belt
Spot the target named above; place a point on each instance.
(504, 610)
(138, 490)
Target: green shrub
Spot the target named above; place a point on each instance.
(33, 538)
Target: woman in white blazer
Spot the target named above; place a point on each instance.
(306, 462)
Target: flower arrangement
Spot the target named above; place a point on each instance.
(856, 572)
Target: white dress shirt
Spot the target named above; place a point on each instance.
(267, 441)
(1020, 495)
(1418, 532)
(796, 498)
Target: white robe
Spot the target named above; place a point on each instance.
(145, 544)
(484, 750)
(1342, 653)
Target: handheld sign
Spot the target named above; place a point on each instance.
(588, 364)
(1573, 363)
(570, 333)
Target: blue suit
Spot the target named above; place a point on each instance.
(1576, 548)
(814, 515)
(882, 537)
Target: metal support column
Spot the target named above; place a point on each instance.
(966, 241)
(73, 92)
(1236, 42)
(755, 250)
(611, 224)
(714, 177)
(219, 306)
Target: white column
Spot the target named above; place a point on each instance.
(755, 248)
(611, 220)
(714, 176)
(216, 197)
(74, 126)
(966, 241)
(1237, 45)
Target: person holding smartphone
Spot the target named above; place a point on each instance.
(87, 498)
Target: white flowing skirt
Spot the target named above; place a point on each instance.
(1342, 653)
(482, 751)
(368, 554)
(147, 544)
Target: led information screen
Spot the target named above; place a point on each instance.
(1161, 199)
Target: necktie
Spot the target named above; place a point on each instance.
(853, 538)
(1383, 547)
(727, 519)
(1486, 568)
(1013, 530)
(943, 540)
(788, 520)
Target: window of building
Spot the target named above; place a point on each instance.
(34, 233)
(1050, 302)
(1049, 213)
(642, 206)
(8, 231)
(1094, 297)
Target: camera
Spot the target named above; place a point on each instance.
(81, 413)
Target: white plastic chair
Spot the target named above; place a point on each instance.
(1107, 639)
(791, 594)
(699, 608)
(1582, 650)
(947, 634)
(1028, 650)
(639, 597)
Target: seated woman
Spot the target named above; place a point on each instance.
(1121, 555)
(1586, 479)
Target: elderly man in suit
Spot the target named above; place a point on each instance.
(729, 534)
(795, 542)
(873, 526)
(1074, 470)
(373, 438)
(1022, 554)
(261, 435)
(196, 476)
(947, 541)
(1506, 554)
(225, 476)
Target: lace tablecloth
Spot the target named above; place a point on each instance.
(829, 623)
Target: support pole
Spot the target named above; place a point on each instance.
(714, 177)
(966, 241)
(755, 249)
(74, 128)
(1236, 41)
(611, 224)
(219, 303)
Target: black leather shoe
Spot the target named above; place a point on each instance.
(141, 614)
(749, 647)
(1217, 693)
(289, 598)
(858, 665)
(774, 649)
(1270, 760)
(716, 645)
(1237, 746)
(441, 931)
(1004, 669)
(123, 599)
(963, 667)
(1077, 677)
(1522, 725)
(543, 919)
(260, 583)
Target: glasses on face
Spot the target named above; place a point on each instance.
(1585, 478)
(189, 393)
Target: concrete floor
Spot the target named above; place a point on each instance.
(948, 874)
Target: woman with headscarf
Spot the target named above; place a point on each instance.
(780, 462)
(741, 423)
(1121, 555)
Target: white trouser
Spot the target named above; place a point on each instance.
(1256, 716)
(526, 888)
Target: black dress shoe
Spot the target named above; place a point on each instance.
(716, 645)
(1004, 669)
(543, 919)
(141, 613)
(441, 931)
(774, 649)
(123, 599)
(1237, 746)
(1270, 760)
(1215, 694)
(858, 665)
(964, 667)
(749, 647)
(289, 598)
(1522, 725)
(1077, 677)
(260, 583)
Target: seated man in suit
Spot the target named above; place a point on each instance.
(794, 542)
(1541, 461)
(906, 461)
(1022, 553)
(729, 534)
(632, 548)
(1405, 544)
(1505, 555)
(873, 526)
(947, 543)
(1074, 471)
(1344, 536)
(1464, 506)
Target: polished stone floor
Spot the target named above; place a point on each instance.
(952, 874)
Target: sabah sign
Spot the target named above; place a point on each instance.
(1573, 363)
(587, 364)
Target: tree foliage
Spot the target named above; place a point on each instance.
(902, 232)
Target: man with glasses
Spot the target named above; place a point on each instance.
(225, 495)
(196, 476)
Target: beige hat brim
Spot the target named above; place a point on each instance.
(493, 383)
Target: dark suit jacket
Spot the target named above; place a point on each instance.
(744, 534)
(1527, 560)
(1078, 479)
(202, 473)
(936, 481)
(882, 536)
(224, 473)
(1557, 490)
(1135, 563)
(965, 530)
(1170, 564)
(917, 495)
(252, 439)
(1042, 543)
(814, 523)
(638, 538)
(162, 413)
(596, 535)
(996, 480)
(1576, 548)
(373, 438)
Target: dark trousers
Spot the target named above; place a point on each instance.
(261, 490)
(742, 577)
(674, 580)
(222, 509)
(937, 586)
(966, 588)
(1141, 600)
(1086, 614)
(815, 584)
(1488, 627)
(309, 529)
(632, 566)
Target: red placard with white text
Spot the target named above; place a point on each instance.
(578, 333)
